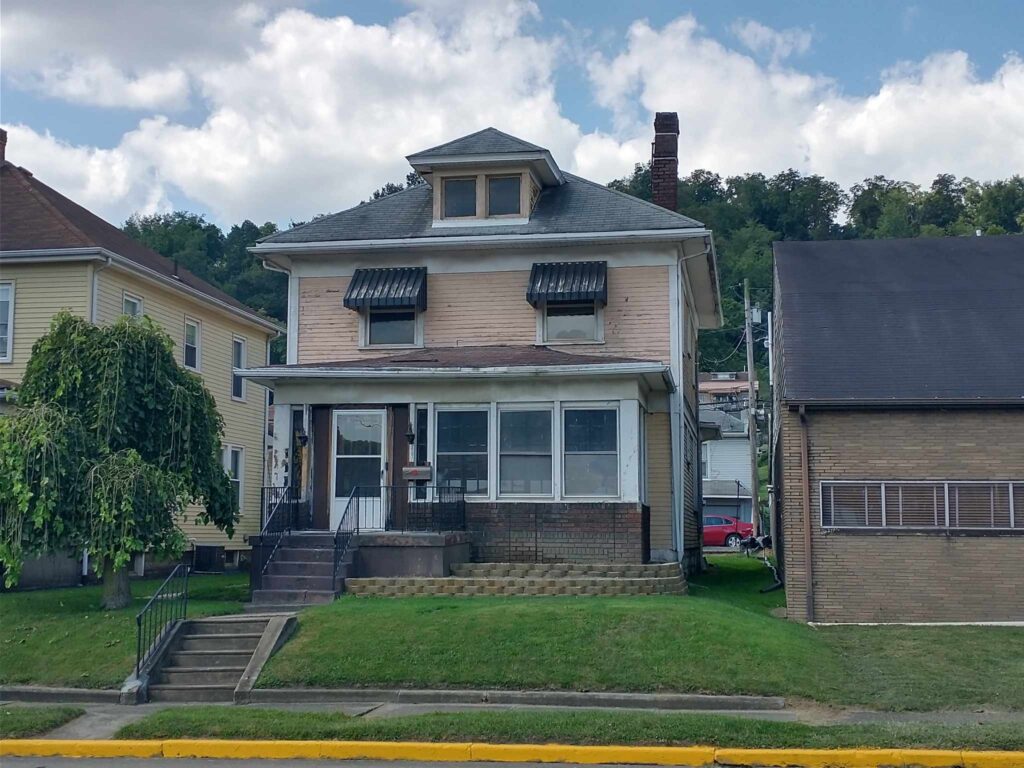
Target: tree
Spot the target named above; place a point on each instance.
(110, 443)
(186, 237)
(412, 179)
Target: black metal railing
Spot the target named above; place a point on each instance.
(167, 605)
(348, 526)
(408, 508)
(279, 519)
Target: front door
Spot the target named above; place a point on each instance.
(359, 444)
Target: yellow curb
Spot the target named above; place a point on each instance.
(243, 750)
(395, 750)
(992, 759)
(937, 758)
(814, 758)
(79, 748)
(568, 753)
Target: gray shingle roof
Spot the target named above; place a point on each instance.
(925, 320)
(728, 423)
(576, 206)
(489, 141)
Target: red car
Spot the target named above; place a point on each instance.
(722, 531)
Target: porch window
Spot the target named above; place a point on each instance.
(591, 447)
(237, 361)
(462, 450)
(190, 347)
(234, 464)
(388, 327)
(524, 464)
(6, 321)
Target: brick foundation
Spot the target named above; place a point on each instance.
(556, 532)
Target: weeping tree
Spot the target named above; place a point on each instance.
(111, 443)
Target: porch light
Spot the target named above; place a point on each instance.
(410, 433)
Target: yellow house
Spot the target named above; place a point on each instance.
(54, 255)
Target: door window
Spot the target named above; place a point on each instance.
(358, 453)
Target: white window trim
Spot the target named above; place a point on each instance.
(593, 406)
(245, 355)
(364, 329)
(199, 343)
(125, 296)
(542, 328)
(492, 471)
(506, 407)
(226, 461)
(10, 323)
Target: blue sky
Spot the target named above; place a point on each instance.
(212, 106)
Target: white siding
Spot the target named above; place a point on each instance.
(729, 459)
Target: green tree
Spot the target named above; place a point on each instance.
(186, 237)
(111, 441)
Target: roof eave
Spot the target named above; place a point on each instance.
(543, 161)
(882, 403)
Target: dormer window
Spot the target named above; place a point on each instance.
(503, 195)
(459, 198)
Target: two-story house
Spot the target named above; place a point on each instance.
(55, 254)
(509, 330)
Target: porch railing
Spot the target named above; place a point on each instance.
(279, 512)
(406, 508)
(167, 605)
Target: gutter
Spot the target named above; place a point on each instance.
(805, 479)
(877, 404)
(94, 300)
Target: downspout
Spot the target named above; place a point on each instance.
(805, 471)
(94, 299)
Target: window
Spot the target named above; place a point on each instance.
(390, 327)
(459, 198)
(131, 305)
(237, 361)
(6, 321)
(705, 465)
(462, 450)
(190, 348)
(524, 461)
(591, 447)
(923, 505)
(234, 465)
(503, 195)
(571, 322)
(714, 521)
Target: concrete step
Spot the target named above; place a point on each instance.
(296, 568)
(315, 583)
(292, 596)
(513, 586)
(213, 692)
(565, 570)
(272, 608)
(209, 658)
(200, 675)
(304, 555)
(238, 641)
(309, 540)
(225, 627)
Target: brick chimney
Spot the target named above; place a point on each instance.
(665, 160)
(3, 145)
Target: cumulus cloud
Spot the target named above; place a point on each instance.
(97, 82)
(777, 44)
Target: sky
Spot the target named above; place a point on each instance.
(278, 110)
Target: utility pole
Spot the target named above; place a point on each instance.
(751, 408)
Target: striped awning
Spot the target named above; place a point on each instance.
(568, 283)
(392, 288)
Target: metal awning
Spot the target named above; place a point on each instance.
(568, 282)
(391, 288)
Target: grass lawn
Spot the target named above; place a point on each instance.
(23, 722)
(561, 727)
(61, 637)
(721, 639)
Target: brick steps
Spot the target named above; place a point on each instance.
(456, 586)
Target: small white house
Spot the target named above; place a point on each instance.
(725, 466)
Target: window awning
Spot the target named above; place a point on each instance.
(568, 282)
(390, 288)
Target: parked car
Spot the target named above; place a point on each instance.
(723, 531)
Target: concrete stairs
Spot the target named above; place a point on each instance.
(207, 659)
(301, 573)
(532, 579)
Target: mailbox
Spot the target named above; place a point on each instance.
(425, 472)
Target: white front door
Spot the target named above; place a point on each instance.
(358, 449)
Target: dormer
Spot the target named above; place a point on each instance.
(487, 178)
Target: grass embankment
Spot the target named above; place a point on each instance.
(561, 728)
(60, 637)
(24, 722)
(721, 639)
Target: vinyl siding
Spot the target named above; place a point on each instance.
(659, 479)
(40, 291)
(244, 422)
(729, 459)
(490, 308)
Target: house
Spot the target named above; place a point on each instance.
(899, 440)
(509, 333)
(54, 255)
(724, 388)
(725, 466)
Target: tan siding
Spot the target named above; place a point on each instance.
(40, 291)
(244, 423)
(659, 479)
(491, 308)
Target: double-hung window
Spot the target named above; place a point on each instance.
(191, 344)
(591, 452)
(386, 327)
(234, 466)
(571, 322)
(462, 450)
(131, 304)
(6, 321)
(237, 361)
(524, 461)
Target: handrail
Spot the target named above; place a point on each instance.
(161, 610)
(278, 523)
(341, 547)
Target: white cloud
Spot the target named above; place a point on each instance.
(777, 44)
(97, 82)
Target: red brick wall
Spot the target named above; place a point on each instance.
(861, 576)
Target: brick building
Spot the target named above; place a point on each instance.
(899, 437)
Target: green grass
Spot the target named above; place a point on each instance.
(23, 722)
(563, 728)
(722, 639)
(61, 637)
